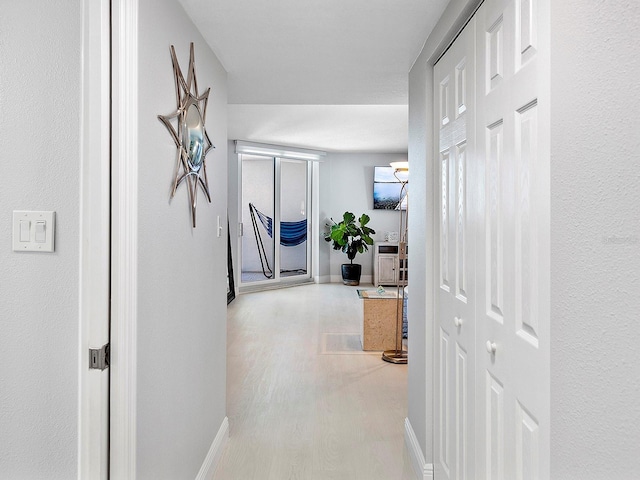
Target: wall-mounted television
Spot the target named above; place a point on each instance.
(387, 189)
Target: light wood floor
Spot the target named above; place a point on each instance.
(303, 401)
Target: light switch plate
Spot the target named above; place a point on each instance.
(32, 219)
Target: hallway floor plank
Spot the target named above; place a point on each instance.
(303, 401)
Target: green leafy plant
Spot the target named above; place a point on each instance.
(350, 237)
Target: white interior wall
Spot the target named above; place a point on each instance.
(347, 185)
(595, 240)
(419, 374)
(181, 390)
(40, 101)
(323, 269)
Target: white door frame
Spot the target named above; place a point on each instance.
(106, 423)
(124, 235)
(93, 397)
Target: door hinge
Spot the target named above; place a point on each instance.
(99, 357)
(241, 229)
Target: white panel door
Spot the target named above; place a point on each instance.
(454, 92)
(513, 242)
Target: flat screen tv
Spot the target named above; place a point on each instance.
(387, 189)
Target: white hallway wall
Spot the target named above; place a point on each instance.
(181, 396)
(595, 239)
(40, 61)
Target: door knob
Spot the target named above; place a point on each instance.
(457, 321)
(491, 347)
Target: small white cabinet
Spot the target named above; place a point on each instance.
(388, 268)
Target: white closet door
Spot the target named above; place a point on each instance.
(513, 242)
(454, 92)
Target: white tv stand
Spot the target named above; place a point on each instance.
(387, 266)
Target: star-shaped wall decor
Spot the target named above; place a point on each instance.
(190, 135)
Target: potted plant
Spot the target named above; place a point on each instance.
(352, 238)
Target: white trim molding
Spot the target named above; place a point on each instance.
(422, 469)
(280, 151)
(212, 459)
(124, 286)
(93, 401)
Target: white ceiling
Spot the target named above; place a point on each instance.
(341, 128)
(328, 74)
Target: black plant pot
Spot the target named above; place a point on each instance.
(351, 273)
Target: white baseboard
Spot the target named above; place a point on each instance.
(323, 279)
(423, 470)
(215, 452)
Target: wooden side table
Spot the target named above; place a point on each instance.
(380, 314)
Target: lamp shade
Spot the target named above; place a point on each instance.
(400, 166)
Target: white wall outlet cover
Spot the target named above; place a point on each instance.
(33, 231)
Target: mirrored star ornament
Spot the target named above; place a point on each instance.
(189, 133)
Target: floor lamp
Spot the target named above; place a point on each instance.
(401, 172)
